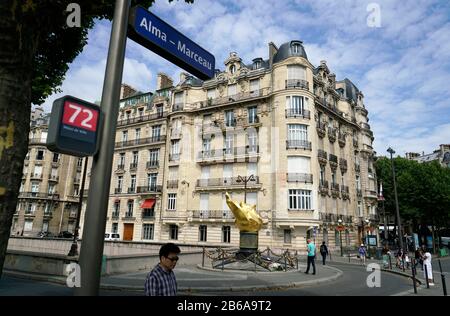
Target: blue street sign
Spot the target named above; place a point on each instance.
(148, 30)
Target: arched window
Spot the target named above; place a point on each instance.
(232, 69)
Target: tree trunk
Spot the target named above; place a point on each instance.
(16, 56)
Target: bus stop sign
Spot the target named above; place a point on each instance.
(74, 126)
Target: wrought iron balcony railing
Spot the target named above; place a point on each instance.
(297, 83)
(298, 113)
(300, 177)
(295, 144)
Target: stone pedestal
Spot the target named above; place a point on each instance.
(248, 243)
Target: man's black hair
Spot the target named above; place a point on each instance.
(168, 248)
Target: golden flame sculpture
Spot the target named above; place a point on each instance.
(247, 220)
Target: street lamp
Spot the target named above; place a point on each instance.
(245, 180)
(391, 151)
(367, 224)
(340, 236)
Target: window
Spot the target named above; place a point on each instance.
(154, 157)
(115, 228)
(121, 159)
(300, 200)
(43, 136)
(173, 173)
(252, 139)
(287, 236)
(125, 136)
(156, 131)
(172, 202)
(173, 232)
(359, 209)
(141, 112)
(252, 169)
(48, 208)
(204, 203)
(232, 69)
(296, 48)
(252, 115)
(151, 181)
(203, 232)
(116, 209)
(296, 72)
(333, 177)
(31, 208)
(133, 184)
(34, 187)
(252, 198)
(119, 183)
(358, 183)
(28, 225)
(54, 173)
(228, 144)
(135, 157)
(256, 64)
(45, 226)
(226, 234)
(129, 212)
(38, 171)
(296, 105)
(51, 188)
(40, 154)
(229, 118)
(175, 150)
(325, 236)
(254, 85)
(138, 133)
(55, 157)
(298, 164)
(337, 238)
(211, 93)
(232, 89)
(227, 173)
(159, 110)
(178, 98)
(148, 231)
(206, 146)
(297, 133)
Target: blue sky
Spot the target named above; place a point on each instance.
(402, 67)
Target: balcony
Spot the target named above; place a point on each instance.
(36, 176)
(345, 192)
(365, 126)
(300, 177)
(371, 194)
(54, 178)
(141, 141)
(298, 113)
(228, 124)
(333, 161)
(225, 182)
(213, 214)
(149, 189)
(133, 166)
(332, 134)
(129, 218)
(328, 217)
(38, 195)
(152, 164)
(233, 99)
(148, 215)
(117, 190)
(359, 193)
(252, 121)
(131, 190)
(143, 118)
(347, 219)
(172, 184)
(341, 139)
(343, 165)
(228, 154)
(297, 84)
(322, 156)
(115, 216)
(323, 187)
(321, 129)
(335, 190)
(298, 144)
(177, 107)
(48, 215)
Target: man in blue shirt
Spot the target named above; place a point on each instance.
(311, 249)
(161, 280)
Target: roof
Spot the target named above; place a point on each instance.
(350, 90)
(285, 51)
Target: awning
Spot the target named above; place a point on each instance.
(148, 203)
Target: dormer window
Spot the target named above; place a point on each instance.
(257, 65)
(232, 69)
(296, 48)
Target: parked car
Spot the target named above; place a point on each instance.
(65, 234)
(112, 237)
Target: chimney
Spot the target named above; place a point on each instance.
(126, 91)
(163, 81)
(273, 49)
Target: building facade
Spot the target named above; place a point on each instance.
(303, 137)
(441, 155)
(49, 192)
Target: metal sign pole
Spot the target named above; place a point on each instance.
(96, 210)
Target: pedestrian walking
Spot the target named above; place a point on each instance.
(418, 255)
(362, 254)
(428, 272)
(311, 249)
(161, 280)
(323, 252)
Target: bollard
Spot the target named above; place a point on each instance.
(444, 286)
(285, 254)
(203, 258)
(223, 260)
(413, 269)
(426, 276)
(390, 262)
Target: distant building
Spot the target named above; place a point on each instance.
(442, 155)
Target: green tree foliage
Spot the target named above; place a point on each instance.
(36, 49)
(423, 190)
